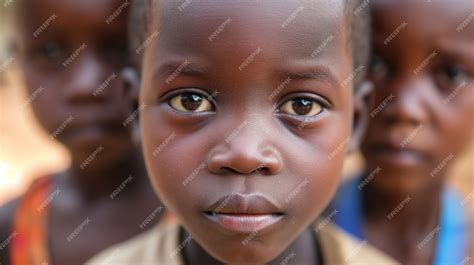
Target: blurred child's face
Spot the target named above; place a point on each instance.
(245, 125)
(423, 69)
(71, 59)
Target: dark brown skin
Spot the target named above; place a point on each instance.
(417, 99)
(266, 154)
(85, 192)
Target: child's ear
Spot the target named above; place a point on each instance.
(363, 100)
(131, 80)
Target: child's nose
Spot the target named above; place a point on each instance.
(409, 104)
(85, 78)
(246, 151)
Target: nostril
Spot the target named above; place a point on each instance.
(227, 170)
(263, 171)
(259, 170)
(244, 159)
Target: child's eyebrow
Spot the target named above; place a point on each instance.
(459, 52)
(179, 68)
(174, 68)
(314, 73)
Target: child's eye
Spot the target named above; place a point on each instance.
(302, 107)
(378, 68)
(51, 51)
(453, 74)
(190, 102)
(449, 77)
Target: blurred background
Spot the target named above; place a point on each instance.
(26, 152)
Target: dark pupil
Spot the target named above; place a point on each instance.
(377, 66)
(453, 73)
(191, 101)
(302, 106)
(52, 50)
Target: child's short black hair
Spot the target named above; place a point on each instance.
(358, 11)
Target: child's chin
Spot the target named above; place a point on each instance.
(401, 183)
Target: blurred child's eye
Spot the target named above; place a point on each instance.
(301, 107)
(51, 51)
(378, 68)
(451, 75)
(190, 102)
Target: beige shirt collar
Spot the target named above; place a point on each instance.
(162, 245)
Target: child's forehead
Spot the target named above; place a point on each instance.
(450, 12)
(279, 12)
(210, 6)
(67, 5)
(299, 26)
(421, 20)
(305, 40)
(71, 18)
(68, 10)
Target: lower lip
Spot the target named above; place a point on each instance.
(244, 223)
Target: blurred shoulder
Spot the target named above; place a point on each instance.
(338, 247)
(155, 246)
(7, 215)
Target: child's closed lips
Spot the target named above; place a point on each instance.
(86, 129)
(244, 213)
(399, 149)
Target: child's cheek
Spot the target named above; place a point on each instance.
(455, 120)
(156, 138)
(319, 178)
(174, 160)
(317, 164)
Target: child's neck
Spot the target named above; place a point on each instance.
(305, 246)
(96, 184)
(397, 223)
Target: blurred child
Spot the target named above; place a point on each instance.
(423, 70)
(254, 102)
(71, 54)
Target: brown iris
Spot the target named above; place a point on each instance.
(302, 107)
(190, 102)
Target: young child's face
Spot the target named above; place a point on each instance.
(423, 69)
(242, 119)
(71, 59)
